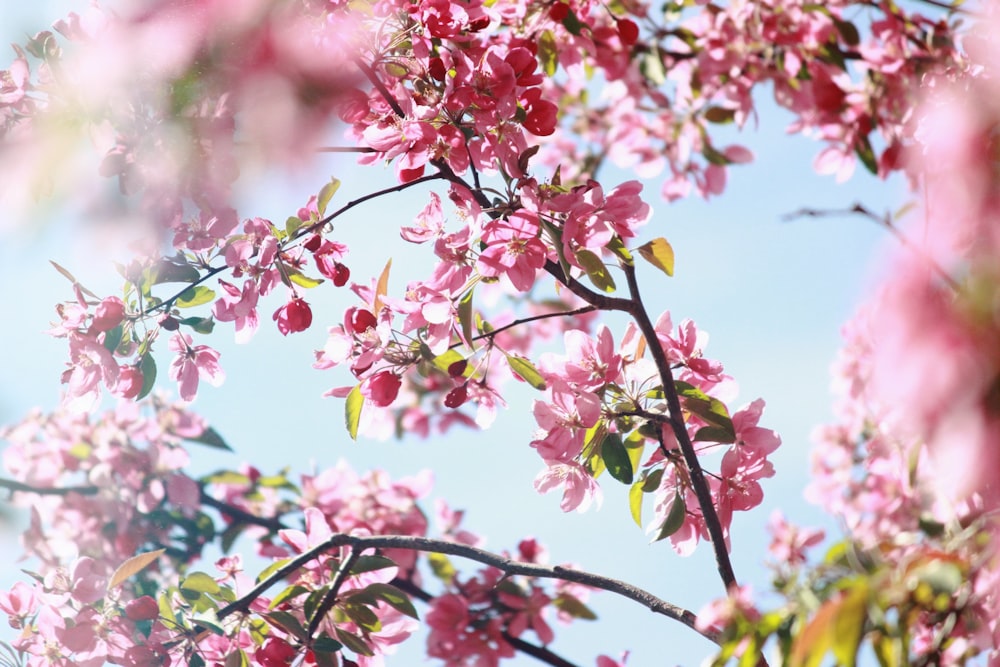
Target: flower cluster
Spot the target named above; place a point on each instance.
(606, 404)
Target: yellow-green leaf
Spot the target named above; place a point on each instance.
(352, 411)
(525, 370)
(326, 194)
(635, 502)
(303, 280)
(596, 270)
(194, 296)
(660, 254)
(133, 566)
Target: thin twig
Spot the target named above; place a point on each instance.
(884, 221)
(507, 565)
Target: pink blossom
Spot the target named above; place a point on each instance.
(789, 542)
(513, 249)
(238, 306)
(580, 489)
(192, 364)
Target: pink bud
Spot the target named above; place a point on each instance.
(381, 388)
(109, 314)
(294, 316)
(142, 609)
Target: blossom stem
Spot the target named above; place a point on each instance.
(330, 598)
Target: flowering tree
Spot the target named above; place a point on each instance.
(509, 113)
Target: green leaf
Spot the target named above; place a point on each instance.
(394, 597)
(573, 607)
(194, 296)
(326, 194)
(147, 366)
(365, 618)
(548, 52)
(847, 31)
(715, 434)
(372, 563)
(617, 246)
(635, 497)
(289, 593)
(596, 270)
(652, 481)
(572, 23)
(711, 409)
(713, 156)
(113, 337)
(236, 659)
(292, 225)
(660, 254)
(211, 438)
(465, 317)
(287, 622)
(303, 280)
(199, 582)
(652, 67)
(203, 325)
(616, 458)
(352, 411)
(444, 361)
(719, 115)
(675, 519)
(353, 642)
(525, 370)
(271, 569)
(863, 148)
(166, 271)
(442, 567)
(226, 477)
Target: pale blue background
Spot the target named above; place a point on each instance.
(772, 294)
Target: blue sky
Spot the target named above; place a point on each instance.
(772, 294)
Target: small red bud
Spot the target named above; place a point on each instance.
(170, 324)
(457, 369)
(456, 397)
(314, 242)
(436, 69)
(628, 31)
(477, 24)
(142, 609)
(558, 11)
(341, 274)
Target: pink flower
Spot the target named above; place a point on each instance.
(294, 316)
(513, 249)
(192, 364)
(789, 542)
(579, 488)
(238, 306)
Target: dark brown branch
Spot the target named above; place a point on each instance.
(330, 598)
(345, 149)
(508, 566)
(698, 482)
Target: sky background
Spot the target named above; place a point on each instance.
(771, 293)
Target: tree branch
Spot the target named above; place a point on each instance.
(507, 565)
(698, 482)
